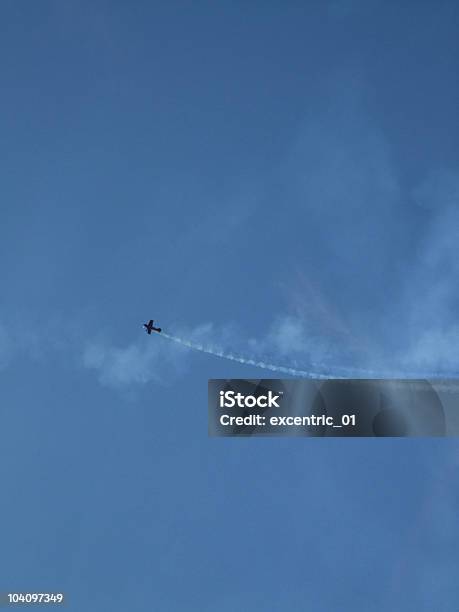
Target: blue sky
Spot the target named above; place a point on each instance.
(280, 179)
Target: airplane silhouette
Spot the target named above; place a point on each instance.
(149, 327)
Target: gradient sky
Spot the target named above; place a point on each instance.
(279, 178)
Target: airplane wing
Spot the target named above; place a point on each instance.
(150, 322)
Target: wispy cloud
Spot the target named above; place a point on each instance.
(136, 363)
(430, 300)
(290, 337)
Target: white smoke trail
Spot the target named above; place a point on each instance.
(331, 371)
(240, 359)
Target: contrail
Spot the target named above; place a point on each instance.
(331, 371)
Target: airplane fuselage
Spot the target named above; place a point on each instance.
(149, 327)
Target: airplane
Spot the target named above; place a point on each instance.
(149, 327)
